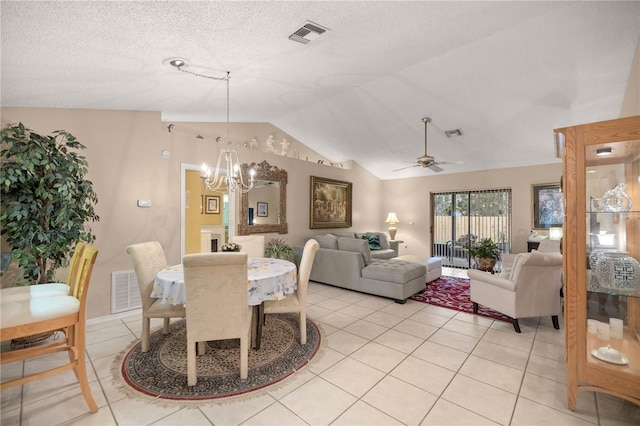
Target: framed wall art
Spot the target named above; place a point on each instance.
(330, 204)
(212, 204)
(263, 209)
(548, 209)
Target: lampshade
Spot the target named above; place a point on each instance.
(392, 219)
(555, 233)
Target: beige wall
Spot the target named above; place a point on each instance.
(125, 164)
(631, 102)
(410, 199)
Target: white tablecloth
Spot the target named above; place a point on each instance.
(268, 279)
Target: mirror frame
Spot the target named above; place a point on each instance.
(264, 171)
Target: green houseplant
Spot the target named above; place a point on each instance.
(46, 201)
(486, 252)
(279, 249)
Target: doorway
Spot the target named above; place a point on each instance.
(190, 211)
(462, 218)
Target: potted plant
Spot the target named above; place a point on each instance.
(279, 249)
(46, 200)
(486, 253)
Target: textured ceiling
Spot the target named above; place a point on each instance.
(506, 73)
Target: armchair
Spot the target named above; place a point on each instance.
(531, 290)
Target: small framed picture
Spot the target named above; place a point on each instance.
(263, 209)
(212, 204)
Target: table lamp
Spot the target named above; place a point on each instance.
(392, 219)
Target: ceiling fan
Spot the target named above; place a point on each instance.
(426, 160)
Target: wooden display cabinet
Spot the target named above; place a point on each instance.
(586, 176)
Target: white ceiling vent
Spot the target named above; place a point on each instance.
(309, 31)
(453, 133)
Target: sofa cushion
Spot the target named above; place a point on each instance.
(325, 241)
(373, 240)
(360, 246)
(395, 271)
(344, 234)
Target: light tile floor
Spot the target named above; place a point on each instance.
(384, 364)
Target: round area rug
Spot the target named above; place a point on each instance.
(161, 372)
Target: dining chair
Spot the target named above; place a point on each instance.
(296, 302)
(253, 245)
(66, 313)
(149, 259)
(217, 305)
(49, 289)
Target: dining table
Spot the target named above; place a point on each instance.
(267, 279)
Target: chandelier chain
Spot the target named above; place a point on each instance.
(230, 178)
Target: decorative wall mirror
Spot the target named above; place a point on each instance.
(264, 208)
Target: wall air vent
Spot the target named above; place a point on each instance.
(453, 133)
(308, 32)
(125, 294)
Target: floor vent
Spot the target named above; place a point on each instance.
(125, 295)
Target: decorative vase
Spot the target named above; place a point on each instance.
(486, 264)
(616, 200)
(618, 271)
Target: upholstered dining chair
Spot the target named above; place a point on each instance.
(217, 304)
(253, 245)
(296, 302)
(50, 289)
(66, 313)
(531, 290)
(149, 259)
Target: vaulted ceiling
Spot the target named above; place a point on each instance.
(505, 73)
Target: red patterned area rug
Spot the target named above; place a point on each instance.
(453, 293)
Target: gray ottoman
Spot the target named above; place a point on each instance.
(434, 265)
(393, 278)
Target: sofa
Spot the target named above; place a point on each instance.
(348, 262)
(380, 245)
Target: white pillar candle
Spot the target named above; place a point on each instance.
(604, 331)
(616, 328)
(592, 326)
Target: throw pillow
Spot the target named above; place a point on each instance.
(374, 241)
(325, 241)
(360, 246)
(384, 240)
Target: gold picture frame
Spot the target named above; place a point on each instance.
(330, 203)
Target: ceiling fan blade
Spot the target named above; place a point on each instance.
(435, 168)
(408, 167)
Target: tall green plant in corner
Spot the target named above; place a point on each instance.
(46, 201)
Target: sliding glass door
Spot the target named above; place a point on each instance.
(462, 218)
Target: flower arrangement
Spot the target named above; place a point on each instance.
(231, 247)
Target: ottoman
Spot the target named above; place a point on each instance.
(393, 278)
(434, 265)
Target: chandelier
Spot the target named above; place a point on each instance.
(229, 178)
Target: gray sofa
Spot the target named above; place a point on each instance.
(385, 249)
(348, 263)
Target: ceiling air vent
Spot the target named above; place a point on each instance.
(309, 31)
(453, 133)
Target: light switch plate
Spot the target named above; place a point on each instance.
(144, 203)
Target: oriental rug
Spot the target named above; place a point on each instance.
(453, 293)
(160, 374)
